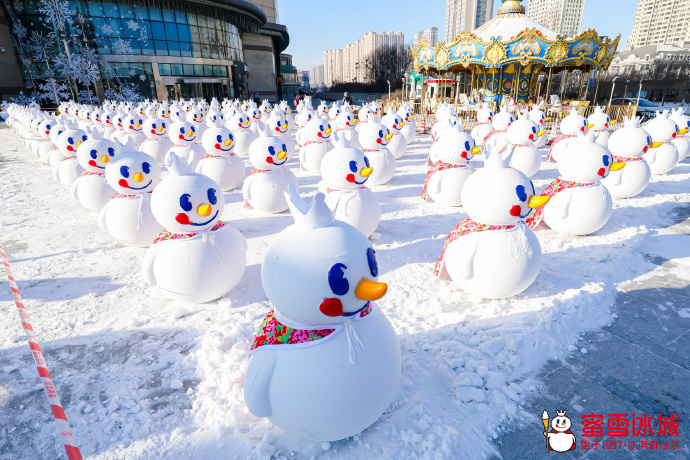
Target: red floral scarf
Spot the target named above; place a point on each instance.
(122, 195)
(333, 190)
(166, 235)
(626, 159)
(557, 140)
(272, 332)
(465, 227)
(66, 158)
(438, 166)
(213, 155)
(89, 173)
(492, 132)
(552, 189)
(505, 147)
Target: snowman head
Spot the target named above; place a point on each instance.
(164, 112)
(502, 119)
(182, 133)
(345, 167)
(631, 141)
(598, 120)
(498, 194)
(537, 116)
(94, 154)
(96, 115)
(586, 161)
(573, 123)
(345, 120)
(318, 129)
(333, 112)
(485, 114)
(457, 147)
(393, 122)
(195, 116)
(178, 114)
(156, 128)
(319, 270)
(254, 114)
(305, 116)
(277, 123)
(56, 129)
(86, 113)
(681, 120)
(364, 113)
(405, 113)
(119, 120)
(215, 119)
(560, 422)
(107, 119)
(33, 126)
(523, 131)
(70, 140)
(133, 124)
(374, 136)
(265, 106)
(186, 202)
(44, 128)
(240, 122)
(268, 152)
(218, 141)
(151, 112)
(662, 128)
(132, 173)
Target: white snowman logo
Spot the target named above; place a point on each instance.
(560, 438)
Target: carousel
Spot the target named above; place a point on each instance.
(512, 57)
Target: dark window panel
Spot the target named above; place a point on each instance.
(196, 50)
(116, 27)
(95, 8)
(155, 14)
(184, 33)
(157, 30)
(168, 15)
(194, 31)
(171, 31)
(203, 31)
(208, 70)
(174, 48)
(110, 9)
(148, 48)
(206, 51)
(161, 47)
(181, 17)
(164, 69)
(199, 70)
(186, 49)
(126, 9)
(176, 69)
(192, 19)
(103, 46)
(188, 70)
(141, 11)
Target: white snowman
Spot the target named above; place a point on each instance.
(157, 142)
(410, 128)
(681, 140)
(520, 152)
(474, 255)
(55, 155)
(483, 127)
(240, 125)
(127, 216)
(571, 125)
(281, 128)
(266, 184)
(317, 137)
(374, 138)
(91, 188)
(500, 123)
(398, 143)
(628, 145)
(325, 362)
(345, 171)
(257, 125)
(539, 117)
(185, 140)
(579, 204)
(197, 258)
(346, 122)
(599, 122)
(560, 438)
(445, 179)
(219, 162)
(133, 126)
(46, 146)
(69, 169)
(663, 154)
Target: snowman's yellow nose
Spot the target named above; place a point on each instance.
(370, 290)
(105, 159)
(388, 136)
(138, 177)
(228, 142)
(190, 133)
(160, 128)
(204, 210)
(366, 172)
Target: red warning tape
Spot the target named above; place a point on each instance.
(68, 440)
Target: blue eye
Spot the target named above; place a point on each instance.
(94, 154)
(320, 127)
(219, 138)
(185, 204)
(373, 265)
(146, 168)
(534, 130)
(353, 166)
(380, 133)
(467, 145)
(153, 125)
(606, 160)
(193, 129)
(181, 130)
(534, 191)
(271, 150)
(70, 140)
(124, 171)
(163, 125)
(111, 151)
(521, 193)
(337, 281)
(284, 148)
(366, 162)
(212, 196)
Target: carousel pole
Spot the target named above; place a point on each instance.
(589, 77)
(517, 87)
(548, 85)
(596, 89)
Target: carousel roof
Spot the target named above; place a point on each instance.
(508, 25)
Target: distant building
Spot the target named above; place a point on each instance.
(430, 35)
(562, 16)
(316, 78)
(661, 22)
(465, 16)
(303, 79)
(290, 83)
(644, 58)
(349, 65)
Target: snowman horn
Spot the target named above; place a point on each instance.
(177, 167)
(493, 158)
(314, 214)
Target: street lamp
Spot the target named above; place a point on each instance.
(612, 88)
(625, 90)
(639, 91)
(389, 91)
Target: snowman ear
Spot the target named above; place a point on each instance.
(314, 214)
(179, 167)
(493, 158)
(340, 141)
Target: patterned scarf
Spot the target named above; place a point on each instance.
(66, 158)
(626, 159)
(372, 150)
(333, 190)
(439, 166)
(505, 147)
(212, 155)
(492, 132)
(325, 141)
(166, 235)
(89, 173)
(551, 190)
(122, 195)
(258, 171)
(465, 227)
(272, 332)
(556, 141)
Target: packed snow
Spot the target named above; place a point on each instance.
(144, 377)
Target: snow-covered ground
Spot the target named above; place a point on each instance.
(143, 377)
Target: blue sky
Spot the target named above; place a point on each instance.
(318, 25)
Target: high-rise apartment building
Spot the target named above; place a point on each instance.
(661, 22)
(465, 16)
(349, 65)
(562, 16)
(430, 35)
(316, 77)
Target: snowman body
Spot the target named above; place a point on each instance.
(410, 128)
(681, 140)
(374, 138)
(244, 136)
(219, 162)
(91, 188)
(498, 136)
(157, 142)
(538, 117)
(398, 143)
(628, 145)
(663, 154)
(523, 155)
(599, 122)
(450, 169)
(483, 127)
(345, 123)
(572, 125)
(561, 442)
(281, 129)
(317, 143)
(67, 143)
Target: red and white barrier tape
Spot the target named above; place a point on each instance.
(68, 440)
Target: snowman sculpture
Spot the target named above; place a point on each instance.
(91, 188)
(663, 154)
(410, 128)
(184, 137)
(55, 155)
(628, 145)
(500, 122)
(579, 203)
(681, 140)
(281, 128)
(157, 142)
(374, 138)
(127, 216)
(539, 117)
(240, 125)
(219, 162)
(398, 143)
(474, 255)
(320, 275)
(67, 142)
(483, 127)
(133, 126)
(572, 125)
(445, 179)
(46, 146)
(520, 152)
(317, 143)
(197, 258)
(599, 122)
(560, 438)
(345, 171)
(266, 184)
(346, 122)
